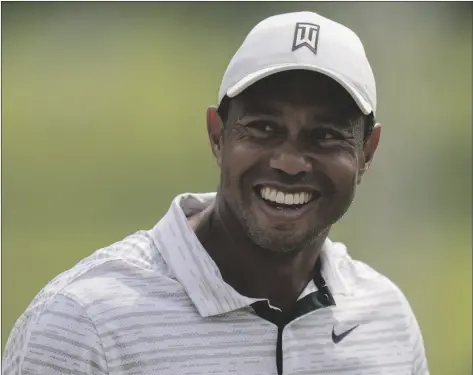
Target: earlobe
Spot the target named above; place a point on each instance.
(361, 172)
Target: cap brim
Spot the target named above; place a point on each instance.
(252, 78)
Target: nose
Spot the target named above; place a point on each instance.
(290, 162)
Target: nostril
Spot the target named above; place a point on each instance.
(291, 179)
(291, 164)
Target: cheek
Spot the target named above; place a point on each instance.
(343, 170)
(237, 160)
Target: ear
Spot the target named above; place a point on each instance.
(215, 132)
(369, 150)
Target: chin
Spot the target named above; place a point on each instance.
(287, 240)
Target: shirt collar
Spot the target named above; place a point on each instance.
(198, 273)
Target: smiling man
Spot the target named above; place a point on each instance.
(245, 280)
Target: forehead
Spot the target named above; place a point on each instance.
(298, 89)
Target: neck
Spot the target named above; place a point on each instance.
(251, 270)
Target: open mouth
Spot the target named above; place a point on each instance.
(285, 200)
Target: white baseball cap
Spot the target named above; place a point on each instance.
(302, 41)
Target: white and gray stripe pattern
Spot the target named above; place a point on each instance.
(156, 304)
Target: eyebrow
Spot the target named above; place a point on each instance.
(268, 108)
(262, 107)
(333, 120)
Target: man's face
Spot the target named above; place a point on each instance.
(290, 158)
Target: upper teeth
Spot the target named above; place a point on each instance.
(277, 196)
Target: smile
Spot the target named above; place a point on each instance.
(288, 199)
(290, 203)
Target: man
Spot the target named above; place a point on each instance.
(245, 281)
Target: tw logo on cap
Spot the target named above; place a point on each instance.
(306, 35)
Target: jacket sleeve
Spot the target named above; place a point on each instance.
(60, 339)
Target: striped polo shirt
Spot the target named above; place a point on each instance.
(155, 303)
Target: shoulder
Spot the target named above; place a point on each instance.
(61, 318)
(387, 302)
(120, 269)
(111, 268)
(370, 287)
(61, 338)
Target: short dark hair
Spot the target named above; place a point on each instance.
(368, 120)
(223, 109)
(369, 124)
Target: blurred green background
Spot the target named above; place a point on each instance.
(103, 114)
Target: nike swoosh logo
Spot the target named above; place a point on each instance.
(337, 338)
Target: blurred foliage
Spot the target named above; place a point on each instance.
(103, 116)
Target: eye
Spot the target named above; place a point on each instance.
(322, 134)
(329, 135)
(263, 127)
